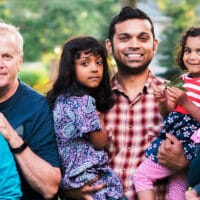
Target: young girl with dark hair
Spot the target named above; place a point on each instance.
(180, 109)
(79, 98)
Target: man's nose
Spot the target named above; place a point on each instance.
(134, 42)
(1, 63)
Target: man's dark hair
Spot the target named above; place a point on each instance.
(126, 14)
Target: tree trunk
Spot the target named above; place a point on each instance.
(131, 3)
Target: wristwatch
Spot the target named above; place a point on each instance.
(19, 149)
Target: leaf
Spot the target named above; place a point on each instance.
(175, 81)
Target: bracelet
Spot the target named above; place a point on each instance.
(19, 149)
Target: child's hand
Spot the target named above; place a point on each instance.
(159, 94)
(176, 95)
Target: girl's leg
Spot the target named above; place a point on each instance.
(145, 176)
(178, 184)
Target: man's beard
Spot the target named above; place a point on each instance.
(129, 70)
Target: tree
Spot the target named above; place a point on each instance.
(131, 3)
(48, 23)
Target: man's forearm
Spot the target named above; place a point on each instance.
(42, 177)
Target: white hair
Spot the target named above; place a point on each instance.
(9, 28)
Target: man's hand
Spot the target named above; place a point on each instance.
(171, 154)
(5, 128)
(9, 133)
(84, 192)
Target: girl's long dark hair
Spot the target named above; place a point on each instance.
(66, 82)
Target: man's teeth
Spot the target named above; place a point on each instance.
(134, 55)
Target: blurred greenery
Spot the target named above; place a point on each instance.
(34, 74)
(47, 24)
(183, 14)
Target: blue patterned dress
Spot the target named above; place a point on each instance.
(74, 118)
(180, 125)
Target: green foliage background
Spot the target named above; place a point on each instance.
(183, 14)
(46, 24)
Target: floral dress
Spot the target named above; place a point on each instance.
(179, 123)
(74, 118)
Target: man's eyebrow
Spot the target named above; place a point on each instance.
(123, 34)
(144, 33)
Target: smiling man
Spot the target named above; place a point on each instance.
(26, 122)
(134, 121)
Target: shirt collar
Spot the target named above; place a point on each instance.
(148, 88)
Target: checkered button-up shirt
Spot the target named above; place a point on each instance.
(132, 125)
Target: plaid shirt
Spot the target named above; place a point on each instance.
(132, 125)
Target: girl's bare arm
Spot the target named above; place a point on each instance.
(99, 139)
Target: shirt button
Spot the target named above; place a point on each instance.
(130, 126)
(124, 170)
(129, 148)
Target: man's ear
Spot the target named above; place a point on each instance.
(155, 45)
(108, 46)
(20, 62)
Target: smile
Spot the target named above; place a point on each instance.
(134, 55)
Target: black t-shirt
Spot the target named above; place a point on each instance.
(29, 114)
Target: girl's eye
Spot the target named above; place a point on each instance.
(100, 62)
(186, 51)
(85, 63)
